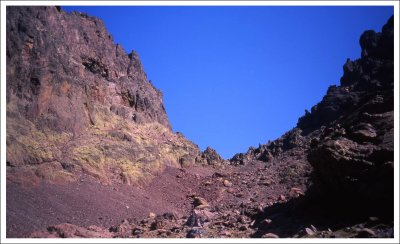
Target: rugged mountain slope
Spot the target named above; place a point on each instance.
(348, 136)
(354, 155)
(81, 111)
(78, 104)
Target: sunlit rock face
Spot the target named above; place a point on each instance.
(79, 104)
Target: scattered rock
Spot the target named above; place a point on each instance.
(314, 228)
(373, 219)
(366, 233)
(297, 191)
(136, 231)
(270, 235)
(199, 217)
(309, 232)
(152, 215)
(243, 228)
(218, 175)
(196, 233)
(200, 203)
(227, 183)
(266, 222)
(239, 194)
(243, 219)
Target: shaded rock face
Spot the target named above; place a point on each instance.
(348, 136)
(362, 80)
(79, 104)
(354, 155)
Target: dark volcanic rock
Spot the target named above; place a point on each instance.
(348, 136)
(372, 75)
(292, 139)
(355, 153)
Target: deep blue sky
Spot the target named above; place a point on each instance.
(233, 77)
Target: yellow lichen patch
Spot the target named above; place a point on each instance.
(135, 172)
(90, 154)
(131, 172)
(50, 136)
(91, 160)
(43, 145)
(105, 119)
(154, 167)
(172, 154)
(36, 149)
(26, 142)
(114, 149)
(96, 131)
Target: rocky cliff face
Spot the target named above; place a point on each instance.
(55, 58)
(348, 136)
(79, 104)
(354, 154)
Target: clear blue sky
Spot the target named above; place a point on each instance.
(234, 77)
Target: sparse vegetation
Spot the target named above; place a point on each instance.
(34, 146)
(138, 151)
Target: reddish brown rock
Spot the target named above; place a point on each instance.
(82, 104)
(210, 157)
(227, 183)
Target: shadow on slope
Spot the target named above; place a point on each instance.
(318, 214)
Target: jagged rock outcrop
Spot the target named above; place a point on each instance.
(348, 136)
(79, 104)
(210, 157)
(371, 75)
(354, 155)
(292, 139)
